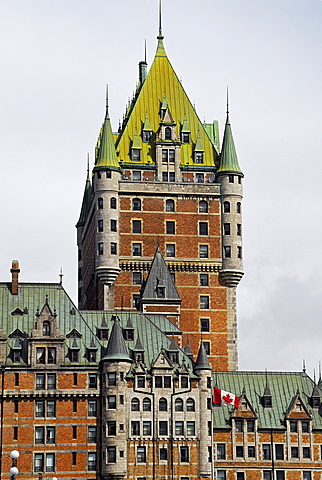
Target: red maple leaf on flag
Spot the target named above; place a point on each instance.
(227, 398)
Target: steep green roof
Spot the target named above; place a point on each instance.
(116, 348)
(283, 387)
(106, 155)
(228, 157)
(87, 199)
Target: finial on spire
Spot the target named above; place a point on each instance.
(88, 164)
(304, 367)
(145, 50)
(160, 36)
(227, 111)
(61, 276)
(106, 99)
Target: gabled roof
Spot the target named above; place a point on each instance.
(159, 276)
(163, 88)
(283, 387)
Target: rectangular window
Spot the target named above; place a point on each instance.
(221, 451)
(74, 458)
(158, 381)
(178, 428)
(227, 251)
(204, 279)
(204, 302)
(100, 248)
(111, 454)
(136, 174)
(306, 452)
(198, 157)
(100, 227)
(206, 346)
(146, 428)
(39, 435)
(204, 325)
(307, 475)
(74, 406)
(91, 412)
(137, 278)
(111, 402)
(39, 462)
(184, 382)
(240, 476)
(50, 435)
(92, 434)
(16, 406)
(250, 426)
(305, 427)
(239, 425)
(141, 454)
(184, 454)
(163, 428)
(163, 454)
(135, 428)
(267, 475)
(191, 428)
(221, 474)
(203, 228)
(279, 452)
(200, 178)
(239, 252)
(111, 379)
(280, 475)
(294, 452)
(167, 382)
(170, 228)
(251, 451)
(170, 250)
(91, 461)
(74, 434)
(113, 248)
(15, 433)
(16, 379)
(92, 380)
(51, 408)
(136, 249)
(239, 451)
(40, 381)
(238, 229)
(51, 352)
(231, 178)
(136, 226)
(113, 225)
(50, 462)
(226, 228)
(111, 428)
(266, 450)
(140, 381)
(203, 251)
(51, 381)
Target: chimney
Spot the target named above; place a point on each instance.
(14, 278)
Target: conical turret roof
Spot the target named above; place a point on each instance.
(87, 199)
(116, 348)
(202, 362)
(228, 157)
(106, 157)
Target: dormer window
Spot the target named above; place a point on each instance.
(46, 329)
(147, 136)
(199, 157)
(135, 155)
(185, 137)
(160, 292)
(167, 133)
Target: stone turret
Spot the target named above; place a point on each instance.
(203, 369)
(114, 367)
(230, 176)
(106, 176)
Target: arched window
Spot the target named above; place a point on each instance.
(146, 405)
(113, 202)
(203, 206)
(169, 206)
(135, 404)
(136, 204)
(100, 203)
(190, 405)
(238, 207)
(163, 405)
(46, 329)
(178, 405)
(167, 133)
(226, 207)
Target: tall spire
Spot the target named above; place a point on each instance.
(116, 348)
(160, 36)
(202, 362)
(87, 198)
(228, 157)
(160, 48)
(106, 152)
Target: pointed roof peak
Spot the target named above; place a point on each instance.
(116, 350)
(160, 36)
(106, 156)
(202, 362)
(138, 346)
(228, 157)
(173, 346)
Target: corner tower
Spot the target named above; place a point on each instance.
(168, 183)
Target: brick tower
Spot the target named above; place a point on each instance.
(160, 186)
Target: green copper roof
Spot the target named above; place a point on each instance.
(228, 156)
(283, 387)
(87, 199)
(106, 156)
(136, 140)
(199, 147)
(185, 125)
(147, 126)
(116, 347)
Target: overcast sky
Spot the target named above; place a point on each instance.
(56, 58)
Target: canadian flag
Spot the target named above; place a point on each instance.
(225, 398)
